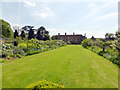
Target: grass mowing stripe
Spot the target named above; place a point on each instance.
(72, 65)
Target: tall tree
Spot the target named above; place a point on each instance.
(22, 34)
(16, 34)
(42, 34)
(38, 35)
(47, 37)
(30, 31)
(27, 28)
(5, 29)
(31, 34)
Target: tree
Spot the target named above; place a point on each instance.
(27, 28)
(109, 36)
(5, 29)
(87, 43)
(22, 34)
(30, 31)
(53, 38)
(103, 45)
(46, 36)
(31, 34)
(38, 35)
(42, 34)
(93, 38)
(16, 34)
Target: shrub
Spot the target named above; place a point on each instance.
(23, 45)
(44, 84)
(86, 43)
(6, 53)
(115, 60)
(28, 47)
(18, 55)
(15, 43)
(68, 42)
(18, 50)
(101, 53)
(8, 57)
(33, 52)
(2, 60)
(7, 46)
(3, 56)
(12, 55)
(25, 49)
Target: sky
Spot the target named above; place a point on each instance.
(93, 18)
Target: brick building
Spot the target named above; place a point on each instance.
(73, 39)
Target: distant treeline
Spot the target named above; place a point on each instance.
(26, 32)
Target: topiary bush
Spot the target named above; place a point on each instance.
(44, 84)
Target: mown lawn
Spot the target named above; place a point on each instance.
(73, 66)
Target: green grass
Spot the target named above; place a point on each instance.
(73, 66)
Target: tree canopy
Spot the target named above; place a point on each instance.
(22, 34)
(5, 29)
(42, 34)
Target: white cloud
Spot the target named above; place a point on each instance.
(29, 4)
(44, 15)
(46, 8)
(15, 26)
(45, 12)
(57, 30)
(108, 5)
(108, 16)
(96, 9)
(92, 5)
(52, 31)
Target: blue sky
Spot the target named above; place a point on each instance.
(92, 18)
